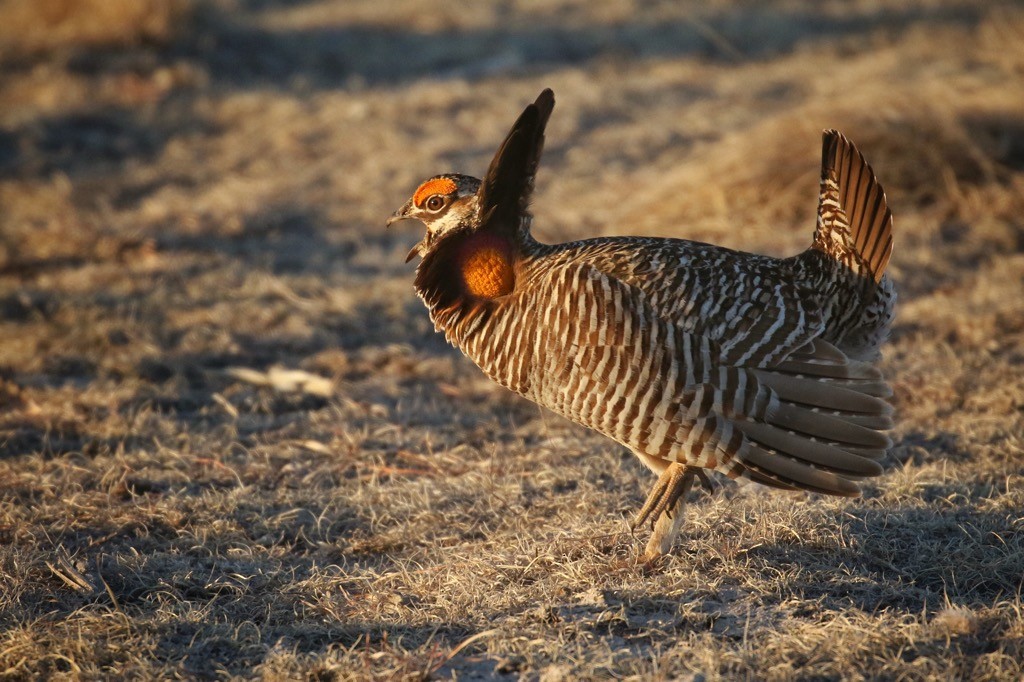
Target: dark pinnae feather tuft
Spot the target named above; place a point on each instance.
(508, 184)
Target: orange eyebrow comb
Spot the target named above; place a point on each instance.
(434, 186)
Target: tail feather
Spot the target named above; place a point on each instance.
(854, 220)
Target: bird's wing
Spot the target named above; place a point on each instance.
(504, 194)
(615, 365)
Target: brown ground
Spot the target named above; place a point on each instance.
(192, 197)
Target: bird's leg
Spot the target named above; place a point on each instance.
(674, 482)
(664, 506)
(667, 511)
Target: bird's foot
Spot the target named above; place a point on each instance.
(704, 480)
(673, 483)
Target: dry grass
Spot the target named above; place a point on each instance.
(192, 206)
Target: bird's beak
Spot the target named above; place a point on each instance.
(400, 214)
(403, 214)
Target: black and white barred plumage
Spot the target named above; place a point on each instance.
(693, 356)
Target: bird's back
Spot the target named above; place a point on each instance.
(759, 307)
(755, 307)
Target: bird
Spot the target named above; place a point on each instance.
(693, 356)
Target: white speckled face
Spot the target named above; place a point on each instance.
(444, 204)
(457, 212)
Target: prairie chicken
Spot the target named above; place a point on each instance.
(693, 356)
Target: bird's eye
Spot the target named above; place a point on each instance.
(435, 203)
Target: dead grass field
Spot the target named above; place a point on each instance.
(192, 197)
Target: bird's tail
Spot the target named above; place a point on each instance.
(854, 222)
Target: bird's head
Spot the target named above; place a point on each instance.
(476, 229)
(446, 205)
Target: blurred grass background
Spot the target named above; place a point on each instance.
(47, 26)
